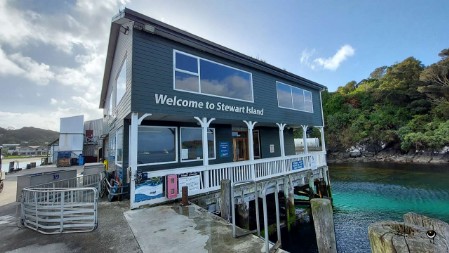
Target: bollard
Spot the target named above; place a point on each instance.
(225, 199)
(323, 221)
(185, 196)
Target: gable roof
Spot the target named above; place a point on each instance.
(156, 27)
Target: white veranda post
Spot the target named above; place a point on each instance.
(281, 138)
(132, 153)
(204, 127)
(304, 139)
(323, 144)
(250, 126)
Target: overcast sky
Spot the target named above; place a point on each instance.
(52, 52)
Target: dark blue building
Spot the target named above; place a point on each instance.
(167, 93)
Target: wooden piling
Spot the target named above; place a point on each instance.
(289, 204)
(324, 225)
(225, 199)
(242, 215)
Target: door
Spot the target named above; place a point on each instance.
(240, 149)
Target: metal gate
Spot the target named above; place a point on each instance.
(51, 210)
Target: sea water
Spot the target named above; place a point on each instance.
(364, 193)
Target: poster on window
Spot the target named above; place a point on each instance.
(149, 189)
(191, 180)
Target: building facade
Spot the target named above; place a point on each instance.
(167, 94)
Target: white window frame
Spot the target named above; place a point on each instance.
(176, 145)
(199, 76)
(122, 67)
(194, 160)
(117, 136)
(291, 96)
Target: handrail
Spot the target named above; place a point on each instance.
(233, 208)
(259, 170)
(265, 214)
(59, 210)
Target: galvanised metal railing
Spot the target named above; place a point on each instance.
(257, 170)
(64, 206)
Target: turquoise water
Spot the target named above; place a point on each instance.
(364, 193)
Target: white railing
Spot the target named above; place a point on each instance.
(63, 206)
(54, 211)
(257, 170)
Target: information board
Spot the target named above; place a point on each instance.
(224, 149)
(191, 180)
(296, 165)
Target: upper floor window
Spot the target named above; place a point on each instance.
(121, 83)
(294, 98)
(198, 75)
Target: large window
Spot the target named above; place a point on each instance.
(121, 83)
(119, 147)
(192, 145)
(198, 75)
(294, 98)
(157, 145)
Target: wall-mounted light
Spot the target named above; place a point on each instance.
(149, 28)
(124, 29)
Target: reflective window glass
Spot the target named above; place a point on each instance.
(186, 62)
(294, 98)
(156, 145)
(223, 81)
(119, 147)
(308, 101)
(284, 95)
(121, 83)
(211, 78)
(187, 82)
(298, 99)
(192, 145)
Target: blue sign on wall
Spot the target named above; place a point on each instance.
(224, 149)
(296, 165)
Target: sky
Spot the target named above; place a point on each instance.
(52, 52)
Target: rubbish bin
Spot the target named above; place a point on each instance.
(80, 160)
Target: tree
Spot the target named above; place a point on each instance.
(436, 77)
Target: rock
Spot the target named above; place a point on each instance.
(409, 236)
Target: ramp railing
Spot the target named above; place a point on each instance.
(65, 206)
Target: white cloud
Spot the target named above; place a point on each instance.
(330, 63)
(39, 73)
(80, 33)
(8, 67)
(19, 65)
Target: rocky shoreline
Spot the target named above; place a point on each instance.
(422, 158)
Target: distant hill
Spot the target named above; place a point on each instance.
(29, 136)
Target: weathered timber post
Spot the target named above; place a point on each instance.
(324, 225)
(242, 215)
(225, 199)
(417, 233)
(289, 203)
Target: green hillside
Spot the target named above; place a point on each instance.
(404, 107)
(27, 136)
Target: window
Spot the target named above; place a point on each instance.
(291, 97)
(197, 75)
(157, 145)
(192, 145)
(121, 83)
(119, 147)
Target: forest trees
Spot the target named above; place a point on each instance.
(404, 107)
